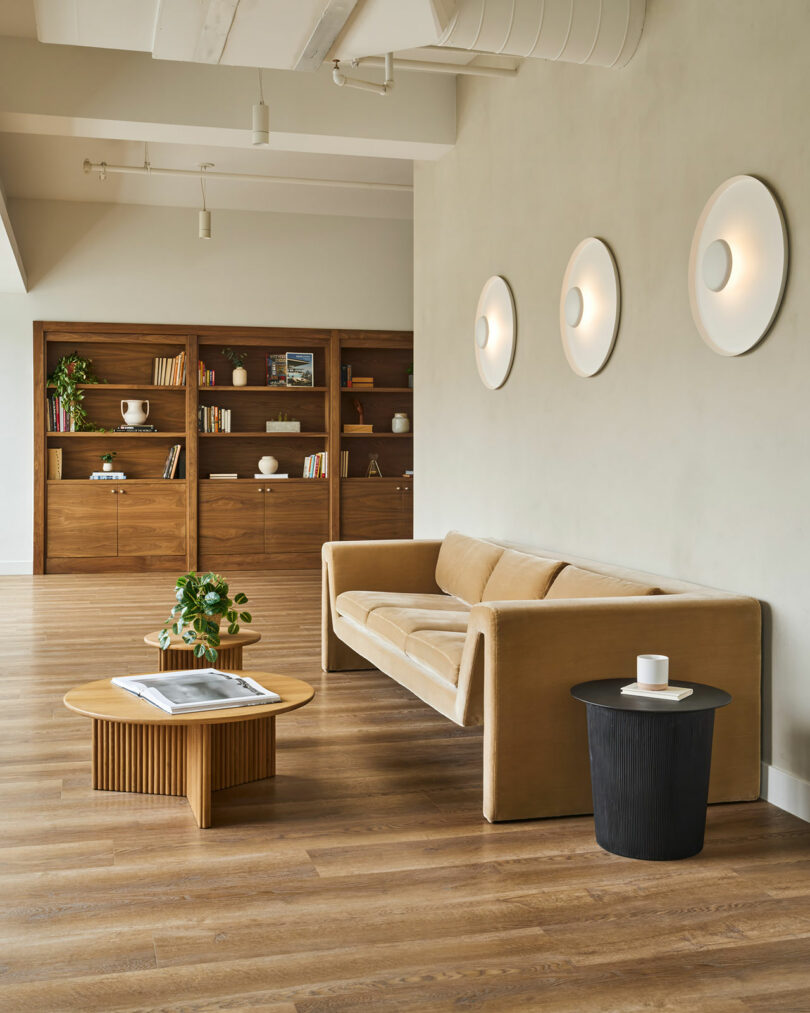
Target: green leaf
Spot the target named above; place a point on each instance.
(176, 628)
(211, 655)
(233, 628)
(199, 625)
(246, 617)
(199, 650)
(212, 598)
(164, 639)
(240, 599)
(188, 637)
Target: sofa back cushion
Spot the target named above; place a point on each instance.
(519, 576)
(464, 566)
(574, 582)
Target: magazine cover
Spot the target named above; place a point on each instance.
(300, 369)
(277, 369)
(198, 689)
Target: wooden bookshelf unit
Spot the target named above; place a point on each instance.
(147, 522)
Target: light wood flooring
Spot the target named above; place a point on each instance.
(364, 876)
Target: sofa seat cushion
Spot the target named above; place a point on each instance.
(358, 604)
(440, 650)
(397, 624)
(519, 576)
(574, 582)
(464, 566)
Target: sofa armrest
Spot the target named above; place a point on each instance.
(536, 759)
(392, 565)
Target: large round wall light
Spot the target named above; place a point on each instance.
(737, 265)
(589, 307)
(495, 332)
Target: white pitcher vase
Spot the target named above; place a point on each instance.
(134, 413)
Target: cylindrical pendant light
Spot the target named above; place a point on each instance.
(261, 118)
(204, 215)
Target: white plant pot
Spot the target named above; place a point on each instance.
(239, 377)
(282, 427)
(268, 465)
(106, 465)
(400, 423)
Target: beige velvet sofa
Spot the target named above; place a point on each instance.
(485, 632)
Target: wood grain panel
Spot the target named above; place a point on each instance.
(296, 517)
(83, 519)
(152, 519)
(376, 508)
(231, 518)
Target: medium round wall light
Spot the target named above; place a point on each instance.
(737, 265)
(589, 307)
(495, 332)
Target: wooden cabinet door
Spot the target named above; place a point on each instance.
(375, 508)
(152, 519)
(296, 521)
(81, 519)
(230, 519)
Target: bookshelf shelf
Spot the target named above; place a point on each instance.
(195, 522)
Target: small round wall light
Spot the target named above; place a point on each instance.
(737, 265)
(589, 307)
(495, 332)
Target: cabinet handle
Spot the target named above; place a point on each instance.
(407, 489)
(260, 490)
(399, 488)
(113, 492)
(122, 492)
(268, 490)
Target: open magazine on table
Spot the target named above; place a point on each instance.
(196, 689)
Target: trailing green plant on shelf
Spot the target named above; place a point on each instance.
(71, 371)
(202, 604)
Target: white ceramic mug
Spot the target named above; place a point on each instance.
(652, 671)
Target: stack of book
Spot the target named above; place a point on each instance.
(147, 427)
(346, 375)
(344, 464)
(172, 468)
(59, 420)
(109, 476)
(362, 382)
(169, 372)
(223, 474)
(316, 465)
(206, 377)
(276, 474)
(213, 420)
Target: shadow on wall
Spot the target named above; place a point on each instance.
(44, 247)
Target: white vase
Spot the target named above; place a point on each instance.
(239, 377)
(268, 465)
(134, 414)
(106, 465)
(400, 423)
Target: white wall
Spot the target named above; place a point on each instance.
(674, 459)
(143, 264)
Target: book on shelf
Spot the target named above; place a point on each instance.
(59, 419)
(344, 464)
(211, 419)
(346, 375)
(276, 369)
(146, 428)
(275, 475)
(107, 476)
(169, 371)
(223, 474)
(407, 473)
(205, 377)
(300, 369)
(363, 381)
(54, 463)
(316, 465)
(170, 468)
(352, 427)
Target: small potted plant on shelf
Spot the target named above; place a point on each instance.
(237, 360)
(410, 376)
(202, 604)
(107, 460)
(70, 373)
(283, 424)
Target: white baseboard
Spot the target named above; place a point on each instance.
(16, 567)
(786, 791)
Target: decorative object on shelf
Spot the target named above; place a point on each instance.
(300, 369)
(410, 376)
(54, 463)
(495, 332)
(400, 423)
(276, 369)
(589, 307)
(202, 603)
(652, 679)
(71, 371)
(738, 265)
(135, 414)
(237, 360)
(268, 465)
(373, 469)
(107, 460)
(283, 424)
(360, 426)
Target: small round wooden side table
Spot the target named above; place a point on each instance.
(181, 655)
(139, 747)
(650, 762)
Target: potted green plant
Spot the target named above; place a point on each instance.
(237, 360)
(410, 376)
(107, 460)
(72, 371)
(202, 603)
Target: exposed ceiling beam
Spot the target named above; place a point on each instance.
(216, 25)
(13, 279)
(325, 34)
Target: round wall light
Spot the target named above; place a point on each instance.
(737, 265)
(495, 332)
(589, 307)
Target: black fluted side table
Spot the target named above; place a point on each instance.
(650, 762)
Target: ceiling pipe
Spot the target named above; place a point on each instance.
(341, 80)
(104, 169)
(432, 67)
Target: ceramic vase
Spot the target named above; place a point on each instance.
(400, 423)
(239, 377)
(134, 414)
(268, 465)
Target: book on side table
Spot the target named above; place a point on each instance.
(201, 689)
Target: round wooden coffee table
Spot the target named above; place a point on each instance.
(180, 655)
(138, 747)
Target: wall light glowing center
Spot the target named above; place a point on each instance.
(574, 306)
(481, 332)
(717, 265)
